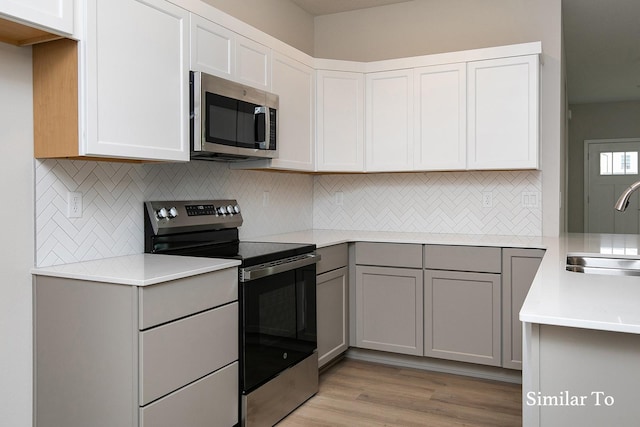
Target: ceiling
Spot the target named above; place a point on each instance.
(602, 49)
(327, 7)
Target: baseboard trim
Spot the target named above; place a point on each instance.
(437, 365)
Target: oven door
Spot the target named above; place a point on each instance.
(278, 321)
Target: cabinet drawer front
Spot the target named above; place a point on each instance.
(332, 257)
(389, 254)
(179, 298)
(175, 354)
(463, 258)
(211, 401)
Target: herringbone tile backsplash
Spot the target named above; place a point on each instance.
(112, 220)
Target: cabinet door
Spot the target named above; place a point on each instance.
(137, 80)
(294, 83)
(503, 113)
(332, 290)
(519, 268)
(212, 48)
(389, 312)
(441, 117)
(340, 125)
(252, 63)
(462, 316)
(389, 121)
(57, 15)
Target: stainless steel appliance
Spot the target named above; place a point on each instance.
(277, 301)
(230, 121)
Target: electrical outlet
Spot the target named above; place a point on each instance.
(339, 196)
(74, 204)
(487, 199)
(529, 199)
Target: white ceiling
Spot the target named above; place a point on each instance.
(327, 7)
(602, 48)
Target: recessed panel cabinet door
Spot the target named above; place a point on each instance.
(441, 117)
(389, 121)
(389, 309)
(294, 84)
(56, 15)
(503, 113)
(332, 290)
(212, 48)
(462, 316)
(137, 80)
(340, 125)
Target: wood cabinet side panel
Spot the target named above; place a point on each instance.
(55, 99)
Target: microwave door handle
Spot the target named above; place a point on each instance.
(262, 111)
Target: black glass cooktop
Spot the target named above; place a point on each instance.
(254, 253)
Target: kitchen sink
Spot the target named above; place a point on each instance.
(608, 265)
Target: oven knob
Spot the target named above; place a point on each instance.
(162, 213)
(222, 210)
(236, 209)
(173, 212)
(230, 210)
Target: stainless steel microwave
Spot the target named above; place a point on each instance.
(230, 121)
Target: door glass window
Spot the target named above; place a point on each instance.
(619, 163)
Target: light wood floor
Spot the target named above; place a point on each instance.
(354, 393)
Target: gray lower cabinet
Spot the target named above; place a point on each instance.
(389, 289)
(462, 316)
(332, 297)
(519, 267)
(116, 355)
(462, 309)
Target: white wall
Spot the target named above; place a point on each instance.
(16, 251)
(281, 19)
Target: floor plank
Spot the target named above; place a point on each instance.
(356, 393)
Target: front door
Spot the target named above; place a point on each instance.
(612, 166)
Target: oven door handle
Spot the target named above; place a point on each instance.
(268, 269)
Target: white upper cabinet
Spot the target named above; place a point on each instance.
(220, 52)
(503, 113)
(441, 122)
(212, 48)
(294, 83)
(56, 15)
(253, 63)
(137, 80)
(340, 121)
(389, 121)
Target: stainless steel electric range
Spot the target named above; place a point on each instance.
(277, 296)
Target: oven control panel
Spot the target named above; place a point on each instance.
(178, 216)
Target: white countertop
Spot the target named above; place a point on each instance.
(557, 297)
(138, 269)
(322, 238)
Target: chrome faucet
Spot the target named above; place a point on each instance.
(623, 201)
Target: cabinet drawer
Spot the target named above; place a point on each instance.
(211, 401)
(177, 353)
(481, 259)
(332, 257)
(389, 254)
(167, 301)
